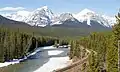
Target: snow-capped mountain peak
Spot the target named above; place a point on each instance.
(85, 15)
(44, 11)
(40, 17)
(44, 7)
(63, 17)
(86, 11)
(89, 15)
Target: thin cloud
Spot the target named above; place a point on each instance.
(11, 8)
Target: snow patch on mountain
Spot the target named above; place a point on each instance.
(18, 16)
(111, 20)
(88, 22)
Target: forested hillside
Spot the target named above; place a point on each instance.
(103, 47)
(16, 44)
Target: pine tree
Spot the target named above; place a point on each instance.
(72, 50)
(93, 64)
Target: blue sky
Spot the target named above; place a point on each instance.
(109, 7)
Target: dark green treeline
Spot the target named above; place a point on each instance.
(15, 44)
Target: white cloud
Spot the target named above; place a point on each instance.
(11, 8)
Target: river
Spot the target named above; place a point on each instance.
(46, 60)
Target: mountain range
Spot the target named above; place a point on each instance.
(43, 22)
(44, 17)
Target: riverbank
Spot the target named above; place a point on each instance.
(43, 59)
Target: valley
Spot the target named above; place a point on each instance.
(59, 36)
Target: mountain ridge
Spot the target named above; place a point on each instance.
(68, 28)
(44, 16)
